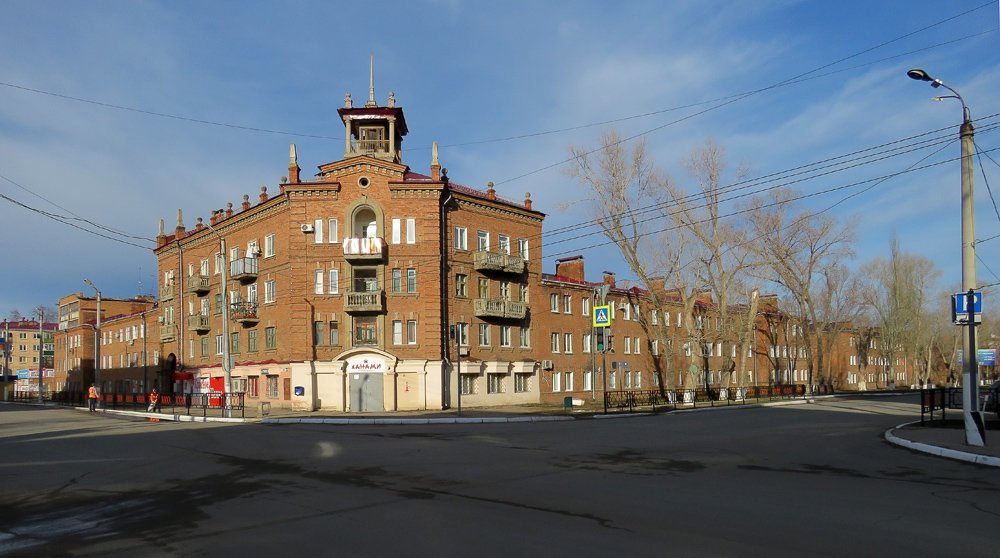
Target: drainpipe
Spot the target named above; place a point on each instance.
(445, 384)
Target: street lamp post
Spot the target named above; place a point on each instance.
(97, 340)
(227, 366)
(974, 430)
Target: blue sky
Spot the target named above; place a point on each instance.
(466, 73)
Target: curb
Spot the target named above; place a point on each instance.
(939, 451)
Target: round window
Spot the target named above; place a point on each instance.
(363, 182)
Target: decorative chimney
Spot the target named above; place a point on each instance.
(200, 225)
(246, 202)
(161, 236)
(435, 165)
(527, 200)
(491, 194)
(293, 165)
(179, 229)
(609, 278)
(263, 194)
(229, 210)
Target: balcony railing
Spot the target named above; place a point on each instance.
(168, 332)
(244, 312)
(491, 261)
(198, 284)
(167, 292)
(499, 308)
(244, 269)
(370, 147)
(369, 248)
(198, 322)
(364, 301)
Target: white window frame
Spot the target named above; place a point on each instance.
(461, 238)
(318, 231)
(411, 230)
(396, 231)
(568, 343)
(269, 245)
(397, 332)
(483, 241)
(554, 342)
(503, 244)
(334, 281)
(318, 278)
(270, 291)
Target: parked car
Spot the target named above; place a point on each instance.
(992, 402)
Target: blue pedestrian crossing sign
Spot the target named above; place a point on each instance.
(602, 316)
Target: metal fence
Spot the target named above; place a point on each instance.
(668, 399)
(944, 398)
(182, 403)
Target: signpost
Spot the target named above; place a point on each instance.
(602, 321)
(967, 310)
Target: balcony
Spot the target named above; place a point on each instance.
(168, 332)
(505, 263)
(364, 249)
(199, 284)
(244, 270)
(499, 308)
(244, 312)
(370, 147)
(167, 293)
(364, 301)
(198, 322)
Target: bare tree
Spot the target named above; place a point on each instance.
(800, 251)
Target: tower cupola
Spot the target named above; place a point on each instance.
(373, 130)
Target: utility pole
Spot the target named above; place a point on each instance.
(6, 357)
(975, 432)
(97, 343)
(227, 365)
(593, 348)
(41, 345)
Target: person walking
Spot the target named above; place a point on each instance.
(154, 400)
(92, 397)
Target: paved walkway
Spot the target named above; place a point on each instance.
(947, 439)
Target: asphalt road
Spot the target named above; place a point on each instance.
(804, 480)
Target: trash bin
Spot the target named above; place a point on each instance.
(567, 403)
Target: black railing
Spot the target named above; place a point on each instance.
(944, 398)
(181, 403)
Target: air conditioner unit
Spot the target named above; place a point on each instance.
(546, 365)
(307, 228)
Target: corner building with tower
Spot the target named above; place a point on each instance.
(341, 288)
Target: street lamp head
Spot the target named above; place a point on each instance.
(919, 75)
(87, 281)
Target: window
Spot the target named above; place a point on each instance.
(219, 260)
(483, 241)
(568, 343)
(588, 380)
(484, 335)
(411, 280)
(522, 382)
(628, 311)
(234, 342)
(554, 342)
(556, 381)
(272, 387)
(218, 345)
(397, 280)
(462, 330)
(613, 380)
(334, 333)
(396, 232)
(461, 238)
(503, 241)
(334, 281)
(461, 285)
(484, 287)
(270, 338)
(525, 337)
(318, 279)
(468, 384)
(365, 330)
(524, 293)
(252, 341)
(635, 345)
(653, 317)
(318, 230)
(334, 232)
(522, 247)
(397, 332)
(505, 336)
(554, 303)
(318, 337)
(204, 346)
(411, 230)
(655, 347)
(411, 332)
(269, 246)
(204, 267)
(567, 301)
(494, 383)
(585, 306)
(218, 303)
(505, 290)
(191, 348)
(628, 345)
(269, 294)
(568, 381)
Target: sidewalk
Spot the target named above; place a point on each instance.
(947, 439)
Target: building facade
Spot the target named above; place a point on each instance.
(23, 343)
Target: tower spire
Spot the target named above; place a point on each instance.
(371, 82)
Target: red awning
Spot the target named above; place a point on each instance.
(183, 376)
